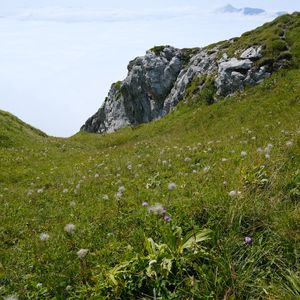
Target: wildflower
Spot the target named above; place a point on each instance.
(289, 143)
(70, 228)
(145, 204)
(129, 167)
(225, 182)
(82, 253)
(39, 191)
(68, 288)
(44, 237)
(267, 156)
(171, 186)
(243, 153)
(224, 159)
(206, 169)
(259, 150)
(248, 240)
(121, 189)
(157, 209)
(11, 297)
(167, 218)
(119, 195)
(65, 191)
(105, 197)
(234, 193)
(96, 175)
(187, 159)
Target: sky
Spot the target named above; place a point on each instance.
(58, 58)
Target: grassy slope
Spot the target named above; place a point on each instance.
(145, 160)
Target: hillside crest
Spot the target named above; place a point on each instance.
(162, 78)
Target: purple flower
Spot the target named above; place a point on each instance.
(167, 218)
(248, 240)
(145, 204)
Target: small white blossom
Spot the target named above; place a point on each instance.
(11, 297)
(171, 186)
(234, 193)
(44, 236)
(206, 169)
(259, 150)
(157, 209)
(121, 189)
(187, 159)
(70, 228)
(96, 175)
(65, 191)
(105, 197)
(82, 253)
(289, 143)
(243, 153)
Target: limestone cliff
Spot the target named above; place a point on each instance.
(163, 77)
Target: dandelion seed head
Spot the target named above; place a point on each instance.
(11, 297)
(121, 189)
(172, 186)
(70, 228)
(206, 169)
(44, 237)
(243, 154)
(105, 197)
(82, 253)
(233, 193)
(157, 209)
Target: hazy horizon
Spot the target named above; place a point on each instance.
(59, 57)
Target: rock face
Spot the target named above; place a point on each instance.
(157, 81)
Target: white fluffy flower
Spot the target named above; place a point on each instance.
(11, 297)
(121, 189)
(171, 186)
(157, 209)
(206, 169)
(243, 153)
(234, 193)
(44, 236)
(82, 253)
(289, 143)
(70, 228)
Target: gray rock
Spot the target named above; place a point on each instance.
(252, 53)
(157, 82)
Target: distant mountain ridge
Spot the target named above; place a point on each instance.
(246, 11)
(162, 78)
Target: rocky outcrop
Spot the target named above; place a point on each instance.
(157, 81)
